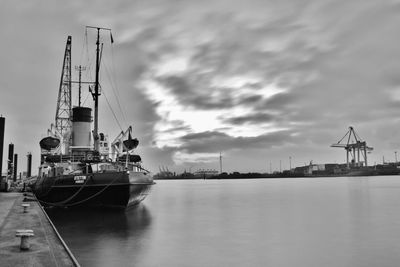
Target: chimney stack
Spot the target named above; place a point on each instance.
(10, 159)
(2, 124)
(29, 167)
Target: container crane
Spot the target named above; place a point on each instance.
(354, 147)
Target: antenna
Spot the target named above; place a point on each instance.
(220, 162)
(80, 69)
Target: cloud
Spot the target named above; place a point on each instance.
(322, 67)
(231, 74)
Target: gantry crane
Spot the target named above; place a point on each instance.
(354, 147)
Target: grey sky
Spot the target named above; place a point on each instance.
(258, 80)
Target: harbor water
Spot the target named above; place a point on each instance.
(352, 221)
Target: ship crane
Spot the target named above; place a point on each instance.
(63, 123)
(354, 147)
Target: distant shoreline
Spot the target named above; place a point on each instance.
(244, 177)
(312, 171)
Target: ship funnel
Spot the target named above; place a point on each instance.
(81, 127)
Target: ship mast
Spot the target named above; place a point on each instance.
(96, 88)
(96, 95)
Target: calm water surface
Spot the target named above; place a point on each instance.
(261, 222)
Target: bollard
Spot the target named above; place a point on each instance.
(24, 234)
(26, 206)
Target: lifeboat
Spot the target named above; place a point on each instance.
(49, 143)
(131, 143)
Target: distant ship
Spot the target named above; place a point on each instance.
(75, 171)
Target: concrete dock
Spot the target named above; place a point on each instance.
(46, 248)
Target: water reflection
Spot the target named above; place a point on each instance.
(97, 237)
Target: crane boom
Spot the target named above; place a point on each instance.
(63, 113)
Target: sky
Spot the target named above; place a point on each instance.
(266, 83)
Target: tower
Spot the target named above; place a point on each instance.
(2, 124)
(15, 170)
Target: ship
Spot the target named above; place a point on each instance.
(81, 167)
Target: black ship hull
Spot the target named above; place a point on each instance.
(115, 189)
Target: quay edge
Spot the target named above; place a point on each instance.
(47, 247)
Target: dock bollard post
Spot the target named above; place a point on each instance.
(26, 206)
(24, 234)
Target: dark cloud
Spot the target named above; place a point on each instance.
(208, 142)
(279, 101)
(251, 119)
(188, 96)
(250, 99)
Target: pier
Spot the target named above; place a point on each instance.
(46, 248)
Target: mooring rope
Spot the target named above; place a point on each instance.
(75, 194)
(94, 195)
(59, 203)
(54, 180)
